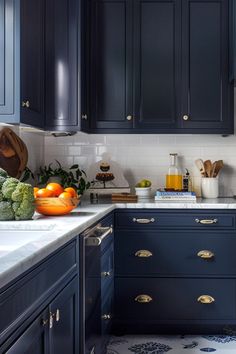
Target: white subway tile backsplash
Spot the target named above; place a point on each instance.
(147, 156)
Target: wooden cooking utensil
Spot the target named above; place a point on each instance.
(218, 166)
(13, 153)
(200, 165)
(208, 167)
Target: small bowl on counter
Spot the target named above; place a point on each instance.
(143, 192)
(56, 206)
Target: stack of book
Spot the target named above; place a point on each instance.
(175, 196)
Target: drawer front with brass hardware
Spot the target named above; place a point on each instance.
(175, 253)
(175, 299)
(147, 219)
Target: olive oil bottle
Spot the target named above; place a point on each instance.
(174, 179)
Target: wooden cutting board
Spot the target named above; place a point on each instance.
(13, 153)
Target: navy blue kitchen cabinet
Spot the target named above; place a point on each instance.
(50, 64)
(32, 63)
(160, 67)
(9, 61)
(42, 307)
(174, 270)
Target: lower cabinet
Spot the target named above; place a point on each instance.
(175, 271)
(55, 330)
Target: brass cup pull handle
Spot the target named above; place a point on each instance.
(205, 254)
(143, 254)
(106, 317)
(144, 221)
(207, 221)
(206, 299)
(26, 104)
(143, 299)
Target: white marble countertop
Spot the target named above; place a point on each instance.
(25, 243)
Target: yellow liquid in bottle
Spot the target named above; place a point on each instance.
(174, 181)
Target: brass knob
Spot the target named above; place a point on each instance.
(185, 117)
(206, 299)
(143, 299)
(143, 254)
(129, 118)
(84, 116)
(207, 221)
(106, 317)
(26, 104)
(205, 254)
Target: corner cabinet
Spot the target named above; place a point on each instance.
(50, 64)
(160, 66)
(9, 61)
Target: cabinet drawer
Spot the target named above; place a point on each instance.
(175, 253)
(174, 299)
(33, 289)
(194, 220)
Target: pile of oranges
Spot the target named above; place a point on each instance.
(53, 190)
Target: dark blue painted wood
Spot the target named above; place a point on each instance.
(111, 64)
(32, 62)
(175, 219)
(175, 299)
(157, 63)
(207, 96)
(64, 336)
(175, 253)
(33, 340)
(9, 61)
(31, 291)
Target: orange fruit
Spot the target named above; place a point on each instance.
(36, 189)
(64, 195)
(72, 192)
(56, 188)
(44, 193)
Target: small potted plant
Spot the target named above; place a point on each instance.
(74, 177)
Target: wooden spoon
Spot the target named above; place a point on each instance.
(200, 165)
(218, 166)
(208, 167)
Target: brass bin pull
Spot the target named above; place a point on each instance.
(143, 254)
(206, 299)
(143, 299)
(205, 254)
(143, 221)
(207, 221)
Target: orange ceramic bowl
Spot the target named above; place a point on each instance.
(56, 206)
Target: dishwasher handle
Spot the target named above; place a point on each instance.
(97, 240)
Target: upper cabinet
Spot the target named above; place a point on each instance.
(160, 66)
(9, 61)
(50, 64)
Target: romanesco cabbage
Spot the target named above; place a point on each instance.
(3, 173)
(9, 187)
(23, 191)
(6, 211)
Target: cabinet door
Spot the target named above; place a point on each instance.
(64, 333)
(157, 43)
(34, 340)
(32, 62)
(111, 64)
(207, 101)
(62, 34)
(9, 59)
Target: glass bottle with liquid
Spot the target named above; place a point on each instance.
(174, 177)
